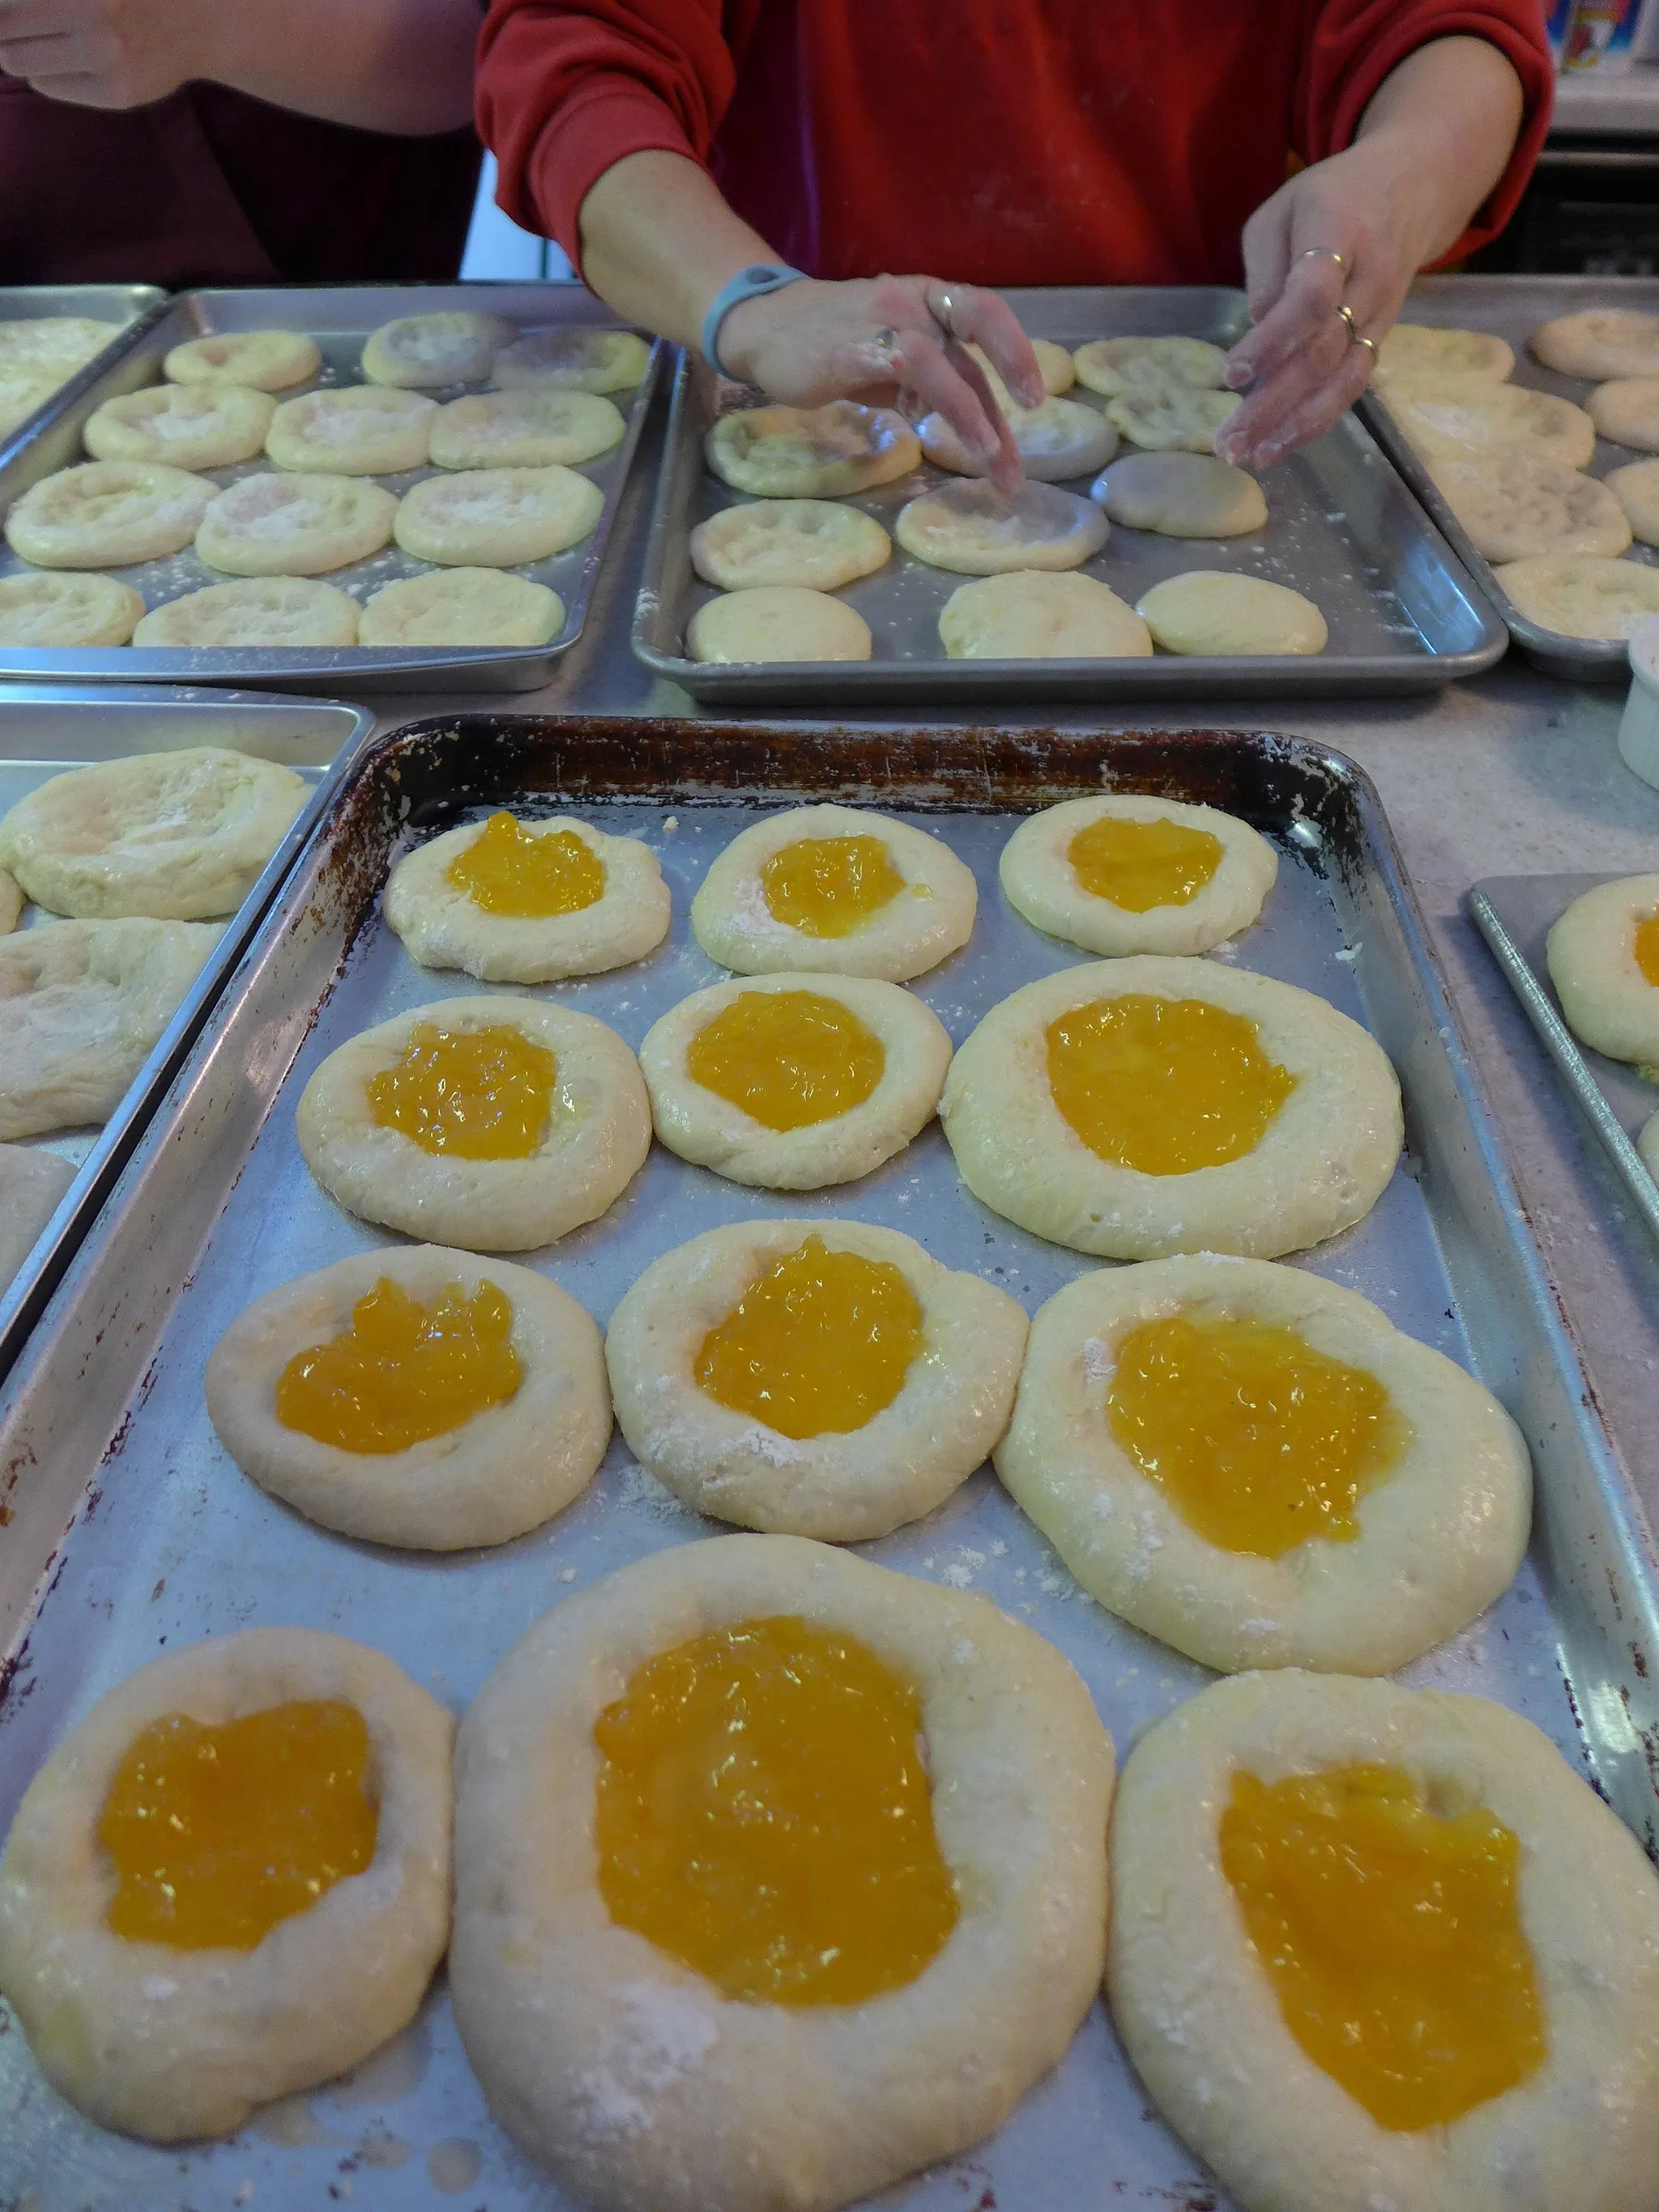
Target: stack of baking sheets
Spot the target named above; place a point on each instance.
(126, 308)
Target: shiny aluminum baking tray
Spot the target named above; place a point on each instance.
(340, 318)
(1403, 614)
(127, 308)
(1512, 307)
(166, 1543)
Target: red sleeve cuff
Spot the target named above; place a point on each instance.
(610, 117)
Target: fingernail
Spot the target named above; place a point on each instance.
(1237, 375)
(1274, 450)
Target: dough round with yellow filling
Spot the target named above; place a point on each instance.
(454, 346)
(1600, 341)
(1113, 366)
(504, 1470)
(1436, 349)
(496, 518)
(167, 2043)
(1322, 1163)
(842, 1487)
(255, 610)
(1211, 612)
(526, 429)
(1057, 438)
(1579, 595)
(597, 1136)
(1592, 956)
(468, 607)
(714, 1132)
(108, 514)
(1031, 614)
(777, 622)
(928, 916)
(1626, 409)
(362, 431)
(1041, 882)
(1172, 417)
(264, 360)
(32, 1185)
(1462, 418)
(811, 452)
(60, 609)
(1636, 488)
(1202, 2022)
(203, 426)
(443, 926)
(1514, 505)
(572, 361)
(294, 526)
(812, 544)
(976, 531)
(1181, 494)
(635, 2080)
(1439, 1536)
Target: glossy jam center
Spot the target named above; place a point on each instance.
(1391, 1936)
(218, 1831)
(829, 886)
(1647, 948)
(477, 1094)
(821, 1344)
(1141, 864)
(764, 1815)
(403, 1371)
(506, 870)
(1163, 1085)
(787, 1058)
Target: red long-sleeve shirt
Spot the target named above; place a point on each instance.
(999, 141)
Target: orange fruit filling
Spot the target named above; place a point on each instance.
(787, 1058)
(1139, 865)
(829, 886)
(403, 1371)
(1647, 948)
(508, 870)
(1163, 1085)
(474, 1094)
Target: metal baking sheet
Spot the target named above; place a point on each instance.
(124, 307)
(1515, 914)
(45, 731)
(167, 1542)
(339, 318)
(1512, 307)
(1403, 614)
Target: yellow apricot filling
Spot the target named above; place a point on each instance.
(506, 869)
(820, 1344)
(1139, 865)
(1647, 948)
(787, 1058)
(473, 1094)
(1258, 1441)
(764, 1815)
(403, 1371)
(219, 1831)
(829, 886)
(1163, 1085)
(1392, 1937)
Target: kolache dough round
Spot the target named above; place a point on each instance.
(499, 1473)
(843, 1487)
(1058, 439)
(255, 610)
(1579, 595)
(294, 526)
(61, 608)
(1202, 2023)
(167, 2042)
(1594, 956)
(1055, 366)
(1031, 614)
(572, 360)
(204, 426)
(1600, 343)
(529, 430)
(362, 431)
(777, 622)
(813, 544)
(1462, 418)
(1040, 880)
(177, 836)
(714, 1132)
(416, 353)
(474, 607)
(1626, 409)
(635, 2080)
(32, 1185)
(108, 514)
(811, 452)
(264, 360)
(1173, 417)
(927, 914)
(597, 1132)
(1113, 367)
(496, 518)
(1636, 488)
(1214, 611)
(1515, 506)
(1428, 349)
(1182, 495)
(442, 926)
(1320, 1163)
(63, 343)
(1440, 1535)
(975, 530)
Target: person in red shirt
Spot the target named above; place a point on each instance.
(1322, 151)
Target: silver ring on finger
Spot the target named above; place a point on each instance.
(1325, 253)
(886, 341)
(943, 309)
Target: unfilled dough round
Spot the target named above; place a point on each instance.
(931, 918)
(265, 360)
(1059, 439)
(1627, 411)
(1175, 417)
(842, 1487)
(1182, 495)
(1514, 505)
(1461, 418)
(57, 608)
(572, 361)
(1440, 1537)
(777, 622)
(811, 452)
(1202, 2023)
(975, 530)
(363, 431)
(528, 429)
(1438, 350)
(1609, 1003)
(1636, 488)
(23, 391)
(178, 837)
(1055, 366)
(204, 426)
(12, 901)
(469, 607)
(1040, 883)
(1113, 366)
(497, 518)
(32, 1186)
(264, 610)
(501, 1473)
(294, 526)
(1031, 614)
(57, 343)
(711, 1132)
(1599, 342)
(598, 1134)
(1577, 595)
(83, 1005)
(1213, 612)
(442, 927)
(811, 543)
(635, 2080)
(417, 352)
(1321, 1163)
(108, 514)
(168, 2044)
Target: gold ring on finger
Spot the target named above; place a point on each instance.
(1369, 345)
(1326, 253)
(1345, 316)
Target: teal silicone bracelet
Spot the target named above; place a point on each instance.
(761, 276)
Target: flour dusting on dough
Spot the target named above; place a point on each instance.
(663, 2034)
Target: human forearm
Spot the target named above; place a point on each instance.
(1451, 113)
(658, 242)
